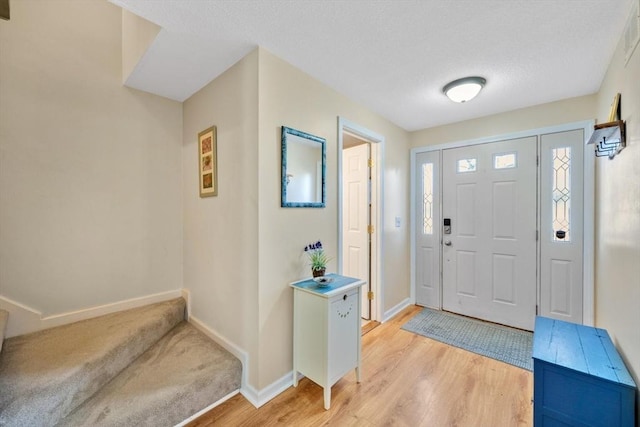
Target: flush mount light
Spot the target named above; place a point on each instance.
(465, 89)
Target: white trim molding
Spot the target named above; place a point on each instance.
(186, 295)
(23, 320)
(259, 398)
(256, 397)
(246, 389)
(377, 142)
(396, 309)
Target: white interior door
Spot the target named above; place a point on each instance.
(489, 258)
(356, 210)
(427, 233)
(561, 241)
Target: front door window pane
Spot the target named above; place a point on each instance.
(466, 165)
(504, 161)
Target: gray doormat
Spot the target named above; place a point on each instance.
(509, 345)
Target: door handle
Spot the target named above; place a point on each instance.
(447, 242)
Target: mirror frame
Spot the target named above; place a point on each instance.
(286, 131)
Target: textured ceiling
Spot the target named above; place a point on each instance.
(393, 56)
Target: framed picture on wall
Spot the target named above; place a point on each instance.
(208, 162)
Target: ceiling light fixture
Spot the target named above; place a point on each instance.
(465, 89)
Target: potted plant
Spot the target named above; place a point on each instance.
(317, 258)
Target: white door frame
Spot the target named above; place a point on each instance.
(377, 154)
(589, 204)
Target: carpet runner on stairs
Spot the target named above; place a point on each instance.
(144, 366)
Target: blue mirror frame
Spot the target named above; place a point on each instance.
(292, 138)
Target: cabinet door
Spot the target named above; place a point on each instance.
(343, 334)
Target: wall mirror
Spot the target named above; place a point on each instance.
(303, 169)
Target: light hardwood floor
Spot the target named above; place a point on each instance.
(407, 380)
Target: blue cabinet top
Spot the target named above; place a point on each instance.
(338, 284)
(581, 348)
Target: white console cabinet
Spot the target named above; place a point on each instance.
(326, 331)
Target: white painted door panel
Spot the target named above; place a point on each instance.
(562, 199)
(428, 226)
(489, 259)
(356, 218)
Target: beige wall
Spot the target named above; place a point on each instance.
(539, 116)
(618, 217)
(221, 233)
(90, 172)
(292, 98)
(241, 249)
(137, 36)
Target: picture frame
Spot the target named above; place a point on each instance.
(614, 112)
(208, 162)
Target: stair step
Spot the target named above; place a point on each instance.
(180, 375)
(4, 318)
(47, 374)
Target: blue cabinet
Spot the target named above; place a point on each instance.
(579, 378)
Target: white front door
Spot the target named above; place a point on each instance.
(428, 229)
(356, 206)
(561, 241)
(489, 258)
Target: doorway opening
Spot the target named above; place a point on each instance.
(503, 226)
(359, 212)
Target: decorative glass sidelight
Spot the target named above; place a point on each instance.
(427, 198)
(561, 193)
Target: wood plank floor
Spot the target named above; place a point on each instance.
(407, 380)
(369, 326)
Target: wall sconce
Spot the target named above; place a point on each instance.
(465, 89)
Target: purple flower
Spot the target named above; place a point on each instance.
(317, 246)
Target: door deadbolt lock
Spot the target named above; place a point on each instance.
(446, 226)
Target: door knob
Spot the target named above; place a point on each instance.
(447, 242)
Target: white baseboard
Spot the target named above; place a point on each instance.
(259, 398)
(256, 397)
(242, 355)
(397, 309)
(186, 295)
(24, 320)
(207, 409)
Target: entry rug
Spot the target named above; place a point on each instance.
(509, 345)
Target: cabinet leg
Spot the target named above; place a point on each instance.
(295, 378)
(358, 374)
(327, 398)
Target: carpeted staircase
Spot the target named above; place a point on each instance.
(141, 367)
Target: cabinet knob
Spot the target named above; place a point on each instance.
(344, 298)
